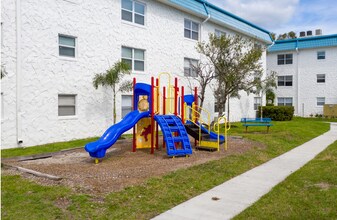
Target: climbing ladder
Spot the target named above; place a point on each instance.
(174, 132)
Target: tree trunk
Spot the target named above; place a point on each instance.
(202, 98)
(261, 111)
(228, 108)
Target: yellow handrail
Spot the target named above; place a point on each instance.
(169, 91)
(217, 129)
(196, 115)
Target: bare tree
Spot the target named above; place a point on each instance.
(203, 75)
(236, 63)
(265, 85)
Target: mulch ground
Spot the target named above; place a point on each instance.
(120, 168)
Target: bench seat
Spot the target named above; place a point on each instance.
(250, 122)
(264, 124)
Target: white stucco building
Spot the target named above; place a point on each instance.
(51, 50)
(307, 72)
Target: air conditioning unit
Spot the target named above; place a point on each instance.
(302, 34)
(318, 32)
(309, 33)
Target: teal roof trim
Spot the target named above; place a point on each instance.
(220, 15)
(304, 43)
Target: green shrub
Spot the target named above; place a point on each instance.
(277, 113)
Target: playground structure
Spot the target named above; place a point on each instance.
(178, 116)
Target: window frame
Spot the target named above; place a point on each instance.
(134, 13)
(219, 33)
(74, 105)
(133, 58)
(190, 68)
(320, 56)
(129, 107)
(257, 103)
(320, 79)
(67, 46)
(285, 81)
(320, 103)
(285, 59)
(191, 31)
(284, 103)
(216, 106)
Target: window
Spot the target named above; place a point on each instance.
(257, 46)
(126, 104)
(284, 59)
(320, 55)
(134, 57)
(257, 103)
(66, 105)
(320, 101)
(320, 78)
(133, 11)
(285, 80)
(190, 66)
(219, 33)
(191, 29)
(284, 101)
(67, 46)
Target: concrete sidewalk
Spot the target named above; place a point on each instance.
(239, 193)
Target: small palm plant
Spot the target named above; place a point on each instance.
(113, 78)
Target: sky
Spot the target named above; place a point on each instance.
(281, 16)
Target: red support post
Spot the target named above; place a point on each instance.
(175, 96)
(152, 115)
(182, 110)
(157, 111)
(196, 102)
(164, 100)
(196, 108)
(157, 85)
(134, 127)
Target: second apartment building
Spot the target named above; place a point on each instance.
(307, 72)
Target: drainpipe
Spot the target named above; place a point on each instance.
(298, 79)
(208, 17)
(18, 72)
(272, 44)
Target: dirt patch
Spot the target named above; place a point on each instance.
(120, 168)
(324, 186)
(62, 203)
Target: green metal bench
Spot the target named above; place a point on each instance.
(250, 122)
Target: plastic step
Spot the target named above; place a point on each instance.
(170, 124)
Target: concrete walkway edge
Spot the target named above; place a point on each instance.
(238, 193)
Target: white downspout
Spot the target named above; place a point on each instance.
(299, 109)
(18, 72)
(202, 23)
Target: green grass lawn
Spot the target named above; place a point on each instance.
(309, 193)
(49, 148)
(46, 148)
(22, 199)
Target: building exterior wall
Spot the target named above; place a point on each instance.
(304, 69)
(100, 33)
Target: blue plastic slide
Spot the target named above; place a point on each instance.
(212, 135)
(98, 148)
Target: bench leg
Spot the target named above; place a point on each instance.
(267, 129)
(246, 128)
